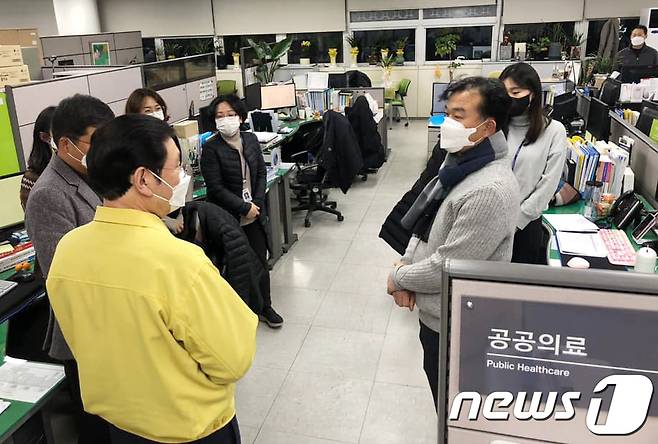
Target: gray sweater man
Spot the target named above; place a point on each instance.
(470, 211)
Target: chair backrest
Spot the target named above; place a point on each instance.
(225, 87)
(403, 87)
(494, 74)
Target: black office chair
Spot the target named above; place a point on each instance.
(311, 182)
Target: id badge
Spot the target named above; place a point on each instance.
(246, 195)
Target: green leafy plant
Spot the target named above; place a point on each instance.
(200, 46)
(595, 64)
(446, 44)
(352, 41)
(268, 57)
(539, 46)
(172, 49)
(387, 62)
(575, 39)
(557, 34)
(402, 43)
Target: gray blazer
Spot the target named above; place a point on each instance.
(59, 202)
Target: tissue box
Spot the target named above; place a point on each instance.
(186, 129)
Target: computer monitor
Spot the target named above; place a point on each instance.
(525, 329)
(278, 96)
(648, 114)
(438, 104)
(610, 91)
(598, 120)
(252, 96)
(565, 107)
(11, 211)
(635, 73)
(206, 119)
(338, 81)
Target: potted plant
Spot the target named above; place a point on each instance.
(505, 52)
(268, 57)
(557, 39)
(171, 49)
(373, 56)
(306, 52)
(539, 48)
(445, 45)
(333, 52)
(354, 49)
(387, 65)
(572, 44)
(400, 45)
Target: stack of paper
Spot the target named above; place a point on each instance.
(581, 244)
(573, 223)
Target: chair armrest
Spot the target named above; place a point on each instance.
(297, 157)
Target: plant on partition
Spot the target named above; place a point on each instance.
(387, 62)
(306, 48)
(446, 44)
(172, 48)
(268, 57)
(572, 44)
(539, 46)
(201, 46)
(353, 41)
(595, 64)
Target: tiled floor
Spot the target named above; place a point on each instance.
(347, 365)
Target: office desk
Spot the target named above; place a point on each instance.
(553, 254)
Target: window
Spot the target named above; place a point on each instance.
(233, 43)
(371, 43)
(319, 49)
(188, 46)
(594, 33)
(534, 33)
(474, 42)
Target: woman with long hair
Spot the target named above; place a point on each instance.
(40, 154)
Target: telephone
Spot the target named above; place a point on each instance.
(626, 210)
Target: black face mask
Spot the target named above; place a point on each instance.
(519, 106)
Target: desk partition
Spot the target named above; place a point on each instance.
(511, 332)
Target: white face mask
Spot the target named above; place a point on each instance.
(53, 145)
(455, 137)
(228, 126)
(637, 41)
(179, 192)
(83, 159)
(159, 114)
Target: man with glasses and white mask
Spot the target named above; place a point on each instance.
(468, 211)
(60, 201)
(159, 336)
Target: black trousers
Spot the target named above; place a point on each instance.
(258, 241)
(92, 429)
(530, 244)
(429, 339)
(229, 434)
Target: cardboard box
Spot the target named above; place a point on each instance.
(14, 75)
(10, 55)
(8, 36)
(186, 129)
(28, 37)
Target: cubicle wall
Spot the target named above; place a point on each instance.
(26, 101)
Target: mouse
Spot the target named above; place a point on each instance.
(23, 276)
(578, 262)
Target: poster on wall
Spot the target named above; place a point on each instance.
(100, 53)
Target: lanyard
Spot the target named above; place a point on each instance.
(516, 156)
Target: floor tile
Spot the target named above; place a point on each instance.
(357, 312)
(320, 406)
(411, 420)
(305, 274)
(296, 305)
(369, 229)
(247, 434)
(278, 348)
(255, 394)
(341, 354)
(369, 251)
(362, 279)
(325, 249)
(333, 230)
(272, 437)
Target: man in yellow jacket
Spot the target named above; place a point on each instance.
(160, 338)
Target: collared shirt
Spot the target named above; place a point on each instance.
(160, 338)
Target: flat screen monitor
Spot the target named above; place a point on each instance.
(610, 91)
(525, 332)
(598, 121)
(11, 211)
(565, 107)
(635, 73)
(252, 96)
(338, 81)
(206, 119)
(278, 96)
(438, 104)
(648, 114)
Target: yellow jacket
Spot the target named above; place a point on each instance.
(160, 338)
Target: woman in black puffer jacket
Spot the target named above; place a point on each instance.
(234, 170)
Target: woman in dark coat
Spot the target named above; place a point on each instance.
(234, 170)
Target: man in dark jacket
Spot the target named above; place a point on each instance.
(638, 53)
(340, 155)
(370, 142)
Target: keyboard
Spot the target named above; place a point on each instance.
(6, 287)
(620, 249)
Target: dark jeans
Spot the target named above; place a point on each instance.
(430, 342)
(92, 429)
(258, 241)
(229, 434)
(530, 244)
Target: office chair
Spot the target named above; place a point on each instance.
(398, 101)
(311, 183)
(226, 87)
(494, 74)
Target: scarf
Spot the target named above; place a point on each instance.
(455, 168)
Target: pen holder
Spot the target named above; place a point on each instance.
(645, 261)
